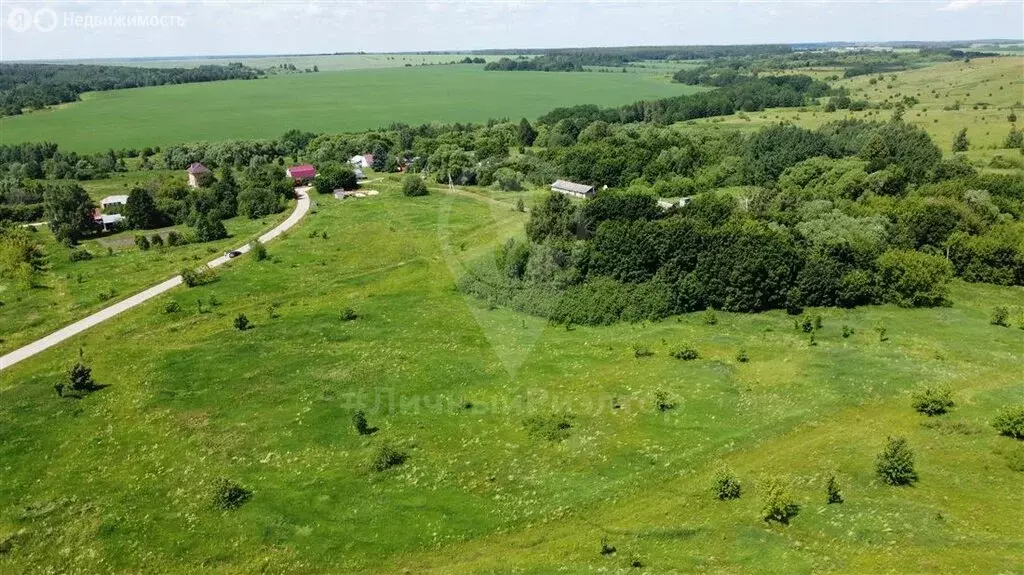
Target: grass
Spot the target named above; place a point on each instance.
(325, 63)
(70, 290)
(998, 83)
(324, 102)
(123, 479)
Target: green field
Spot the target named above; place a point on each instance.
(121, 481)
(325, 62)
(325, 102)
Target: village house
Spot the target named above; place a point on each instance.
(572, 189)
(301, 173)
(113, 203)
(196, 173)
(362, 161)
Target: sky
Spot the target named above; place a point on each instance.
(36, 29)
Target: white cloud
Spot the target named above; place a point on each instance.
(958, 5)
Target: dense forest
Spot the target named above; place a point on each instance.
(35, 86)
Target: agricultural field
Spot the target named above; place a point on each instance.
(324, 62)
(324, 102)
(529, 447)
(987, 89)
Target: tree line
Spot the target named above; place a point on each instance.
(36, 86)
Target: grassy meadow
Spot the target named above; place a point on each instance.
(987, 89)
(324, 62)
(122, 480)
(323, 102)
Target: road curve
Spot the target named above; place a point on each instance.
(108, 312)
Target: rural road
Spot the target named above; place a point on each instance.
(106, 313)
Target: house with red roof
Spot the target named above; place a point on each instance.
(301, 173)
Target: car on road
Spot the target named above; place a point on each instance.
(233, 253)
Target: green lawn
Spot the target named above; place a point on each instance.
(121, 481)
(325, 102)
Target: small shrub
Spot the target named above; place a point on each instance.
(817, 322)
(198, 276)
(156, 240)
(141, 242)
(833, 494)
(229, 495)
(413, 186)
(742, 356)
(77, 380)
(895, 464)
(258, 250)
(807, 325)
(385, 457)
(641, 351)
(710, 317)
(241, 322)
(172, 307)
(847, 331)
(777, 504)
(520, 205)
(933, 400)
(687, 354)
(1010, 421)
(606, 549)
(359, 422)
(80, 255)
(1000, 316)
(662, 401)
(726, 486)
(882, 332)
(349, 314)
(555, 427)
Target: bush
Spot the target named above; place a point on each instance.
(641, 351)
(198, 276)
(832, 492)
(172, 307)
(933, 400)
(80, 255)
(77, 381)
(686, 354)
(156, 240)
(1000, 316)
(228, 495)
(141, 242)
(1010, 422)
(385, 457)
(847, 331)
(662, 401)
(241, 322)
(258, 250)
(349, 314)
(895, 464)
(742, 356)
(710, 317)
(359, 422)
(726, 486)
(175, 239)
(777, 503)
(914, 279)
(413, 186)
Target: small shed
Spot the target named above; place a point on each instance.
(107, 221)
(301, 173)
(572, 189)
(196, 172)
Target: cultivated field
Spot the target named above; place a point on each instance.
(322, 102)
(986, 88)
(325, 63)
(128, 474)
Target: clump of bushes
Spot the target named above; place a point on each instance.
(156, 240)
(1000, 316)
(387, 456)
(241, 322)
(895, 464)
(413, 186)
(77, 381)
(228, 495)
(554, 427)
(686, 354)
(662, 401)
(175, 239)
(710, 317)
(198, 276)
(726, 486)
(606, 548)
(360, 423)
(349, 314)
(142, 242)
(79, 255)
(1010, 421)
(777, 503)
(933, 400)
(172, 307)
(742, 356)
(847, 331)
(258, 250)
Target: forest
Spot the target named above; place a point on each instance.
(36, 86)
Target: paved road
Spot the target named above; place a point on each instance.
(106, 313)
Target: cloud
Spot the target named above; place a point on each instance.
(959, 5)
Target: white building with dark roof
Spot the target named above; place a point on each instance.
(572, 189)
